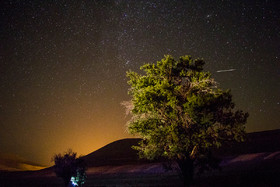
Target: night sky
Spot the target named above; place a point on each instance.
(63, 64)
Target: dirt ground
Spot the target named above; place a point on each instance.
(260, 169)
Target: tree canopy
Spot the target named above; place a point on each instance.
(179, 111)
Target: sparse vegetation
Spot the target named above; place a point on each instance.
(181, 114)
(69, 167)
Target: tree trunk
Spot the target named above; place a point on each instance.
(187, 170)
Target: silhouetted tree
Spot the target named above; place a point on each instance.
(181, 114)
(68, 165)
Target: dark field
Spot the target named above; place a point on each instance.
(255, 173)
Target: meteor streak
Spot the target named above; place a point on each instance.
(225, 70)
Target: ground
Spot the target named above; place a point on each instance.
(258, 169)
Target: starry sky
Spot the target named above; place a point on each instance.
(63, 64)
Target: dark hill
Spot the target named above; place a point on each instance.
(121, 153)
(255, 162)
(256, 142)
(115, 153)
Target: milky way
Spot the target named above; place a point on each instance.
(63, 64)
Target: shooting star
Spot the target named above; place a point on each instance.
(225, 70)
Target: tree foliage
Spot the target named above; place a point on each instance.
(179, 111)
(68, 166)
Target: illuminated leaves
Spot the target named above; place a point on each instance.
(178, 110)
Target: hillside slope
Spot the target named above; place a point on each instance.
(10, 162)
(256, 142)
(121, 153)
(115, 153)
(255, 162)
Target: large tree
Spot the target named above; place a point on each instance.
(181, 114)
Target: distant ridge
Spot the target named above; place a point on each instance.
(256, 142)
(9, 162)
(255, 162)
(121, 153)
